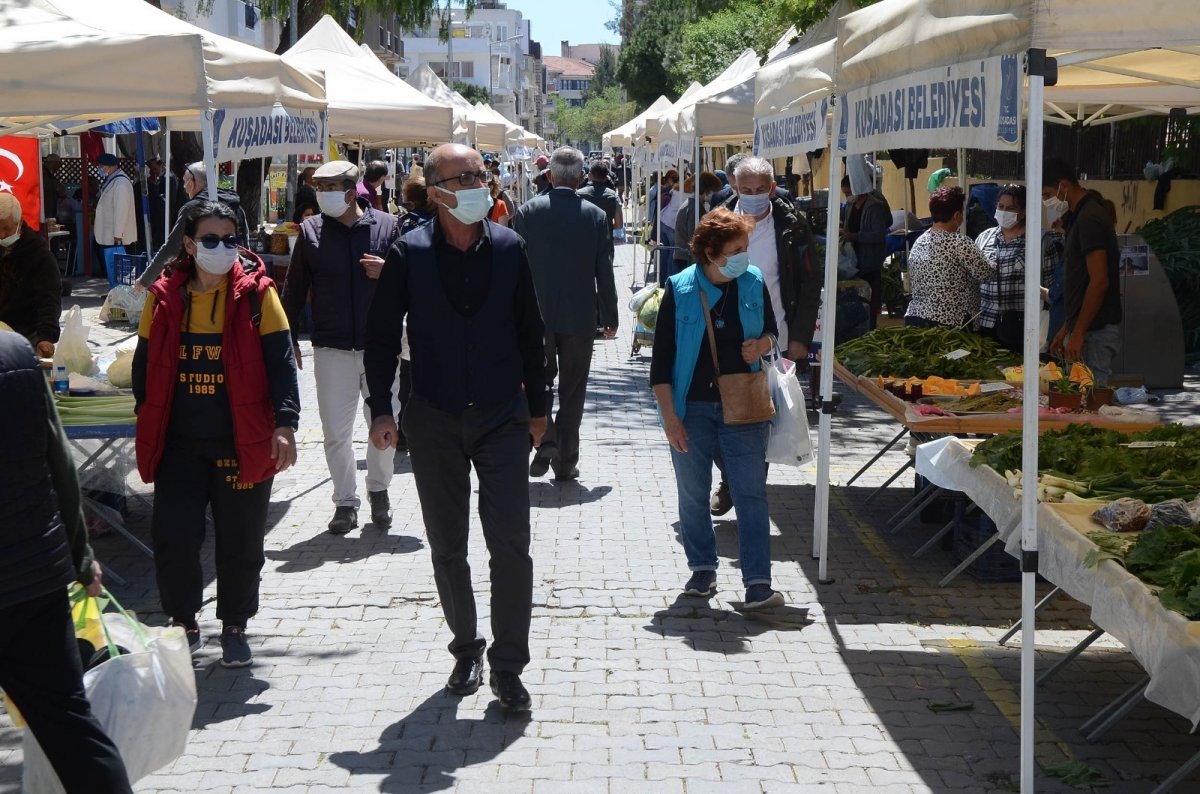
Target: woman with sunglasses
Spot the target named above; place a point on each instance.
(214, 378)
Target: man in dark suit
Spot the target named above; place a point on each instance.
(570, 253)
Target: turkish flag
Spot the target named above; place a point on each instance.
(21, 175)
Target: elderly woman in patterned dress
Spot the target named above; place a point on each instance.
(946, 268)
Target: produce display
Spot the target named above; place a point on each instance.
(992, 403)
(120, 372)
(1049, 373)
(921, 352)
(76, 411)
(1166, 558)
(1082, 462)
(933, 386)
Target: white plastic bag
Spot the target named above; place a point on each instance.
(72, 351)
(789, 443)
(124, 305)
(144, 700)
(847, 262)
(639, 297)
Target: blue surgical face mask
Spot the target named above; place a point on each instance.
(735, 265)
(754, 205)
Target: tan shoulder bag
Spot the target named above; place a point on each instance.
(745, 396)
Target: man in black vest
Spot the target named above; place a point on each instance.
(478, 398)
(41, 552)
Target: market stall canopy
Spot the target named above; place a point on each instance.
(723, 109)
(652, 125)
(491, 128)
(366, 101)
(428, 83)
(1114, 57)
(80, 59)
(623, 135)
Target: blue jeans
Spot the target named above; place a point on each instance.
(1100, 347)
(744, 450)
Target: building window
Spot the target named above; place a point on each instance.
(501, 32)
(466, 69)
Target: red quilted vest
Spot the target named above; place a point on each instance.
(245, 371)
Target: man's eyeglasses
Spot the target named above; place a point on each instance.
(466, 178)
(211, 241)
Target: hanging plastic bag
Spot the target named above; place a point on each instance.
(648, 313)
(143, 692)
(847, 262)
(639, 297)
(789, 443)
(73, 351)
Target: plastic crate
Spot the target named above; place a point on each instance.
(970, 531)
(127, 267)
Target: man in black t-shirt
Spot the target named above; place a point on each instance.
(1092, 284)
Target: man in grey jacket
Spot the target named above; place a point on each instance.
(570, 254)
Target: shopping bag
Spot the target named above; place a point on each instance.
(73, 351)
(640, 297)
(847, 262)
(143, 694)
(789, 443)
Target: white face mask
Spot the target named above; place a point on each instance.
(473, 204)
(217, 261)
(1006, 218)
(11, 240)
(333, 204)
(1055, 209)
(754, 205)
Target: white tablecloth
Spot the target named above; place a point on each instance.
(1165, 643)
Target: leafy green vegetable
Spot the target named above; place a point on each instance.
(1077, 774)
(921, 352)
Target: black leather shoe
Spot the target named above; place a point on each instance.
(466, 678)
(542, 458)
(509, 690)
(381, 509)
(344, 520)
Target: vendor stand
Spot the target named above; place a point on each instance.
(1164, 642)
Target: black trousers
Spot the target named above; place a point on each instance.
(569, 361)
(41, 671)
(444, 447)
(191, 477)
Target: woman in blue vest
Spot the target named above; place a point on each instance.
(685, 385)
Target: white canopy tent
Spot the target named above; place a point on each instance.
(492, 129)
(624, 135)
(721, 111)
(367, 103)
(1100, 46)
(428, 83)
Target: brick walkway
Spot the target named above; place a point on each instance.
(634, 688)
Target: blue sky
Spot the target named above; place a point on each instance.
(576, 21)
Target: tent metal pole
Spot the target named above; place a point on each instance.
(696, 182)
(963, 182)
(167, 174)
(824, 399)
(1029, 433)
(210, 153)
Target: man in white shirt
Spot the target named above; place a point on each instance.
(116, 219)
(756, 187)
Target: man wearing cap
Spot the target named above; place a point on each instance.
(116, 220)
(338, 258)
(464, 287)
(541, 182)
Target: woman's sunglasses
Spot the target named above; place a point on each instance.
(211, 241)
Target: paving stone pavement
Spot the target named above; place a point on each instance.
(636, 689)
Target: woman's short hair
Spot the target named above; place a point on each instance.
(715, 231)
(1017, 192)
(944, 202)
(205, 210)
(416, 193)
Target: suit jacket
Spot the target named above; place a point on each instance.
(567, 239)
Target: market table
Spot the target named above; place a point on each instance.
(109, 437)
(1164, 642)
(926, 428)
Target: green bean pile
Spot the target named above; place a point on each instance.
(921, 352)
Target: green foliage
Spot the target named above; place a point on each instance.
(652, 45)
(1175, 239)
(588, 122)
(710, 44)
(472, 93)
(605, 74)
(411, 14)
